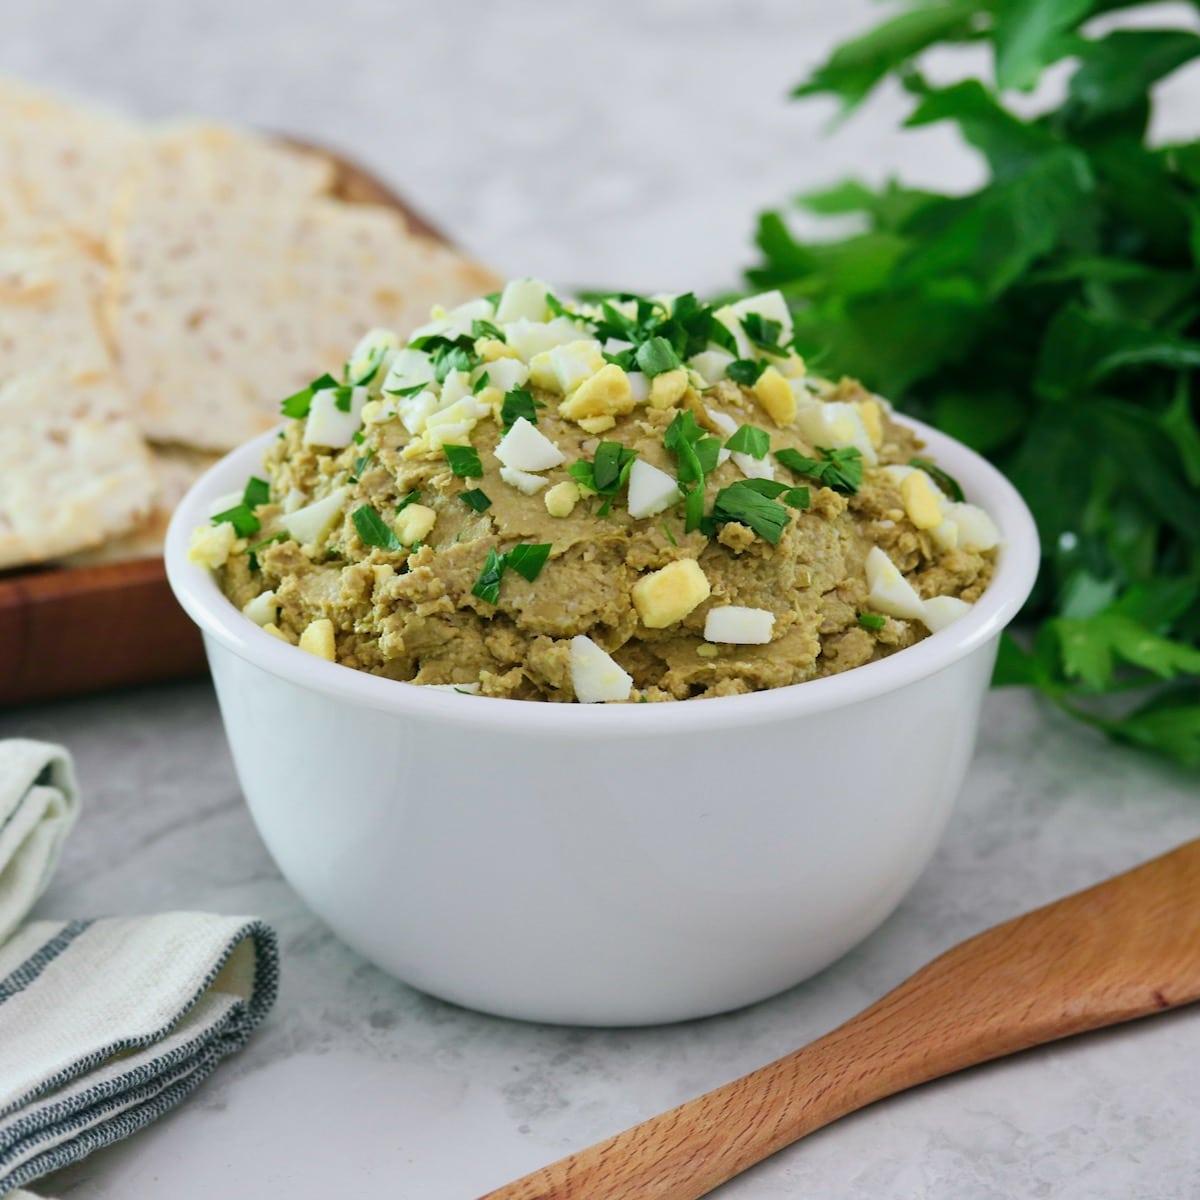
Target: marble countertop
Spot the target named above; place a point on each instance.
(634, 154)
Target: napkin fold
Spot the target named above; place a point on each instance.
(105, 1024)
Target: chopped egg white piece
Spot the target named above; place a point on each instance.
(945, 535)
(211, 545)
(372, 351)
(523, 481)
(836, 425)
(753, 468)
(563, 368)
(506, 373)
(770, 305)
(262, 610)
(526, 449)
(311, 523)
(414, 411)
(976, 530)
(455, 387)
(890, 592)
(940, 611)
(327, 424)
(224, 503)
(651, 491)
(318, 639)
(522, 299)
(409, 368)
(728, 426)
(739, 626)
(639, 385)
(617, 346)
(711, 365)
(595, 675)
(528, 338)
(468, 689)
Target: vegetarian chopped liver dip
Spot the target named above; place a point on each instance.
(633, 499)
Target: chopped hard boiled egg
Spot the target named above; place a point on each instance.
(211, 545)
(524, 448)
(668, 595)
(595, 675)
(507, 373)
(529, 338)
(940, 611)
(561, 498)
(262, 610)
(311, 523)
(605, 394)
(523, 481)
(651, 491)
(329, 424)
(711, 365)
(775, 394)
(890, 592)
(835, 424)
(408, 369)
(372, 351)
(318, 639)
(976, 530)
(563, 368)
(921, 500)
(739, 626)
(467, 689)
(522, 300)
(414, 524)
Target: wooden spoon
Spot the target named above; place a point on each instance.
(1125, 948)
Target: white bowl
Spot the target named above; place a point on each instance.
(603, 865)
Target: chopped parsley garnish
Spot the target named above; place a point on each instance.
(669, 535)
(555, 305)
(464, 461)
(370, 367)
(519, 403)
(480, 384)
(258, 491)
(526, 559)
(482, 329)
(764, 333)
(298, 404)
(697, 454)
(360, 465)
(606, 474)
(872, 621)
(840, 469)
(448, 354)
(251, 551)
(487, 586)
(342, 395)
(493, 298)
(411, 390)
(373, 530)
(656, 356)
(750, 440)
(358, 437)
(476, 499)
(411, 498)
(241, 517)
(943, 479)
(745, 503)
(745, 371)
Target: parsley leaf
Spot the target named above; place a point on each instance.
(748, 506)
(529, 559)
(485, 329)
(476, 499)
(373, 530)
(464, 461)
(943, 479)
(297, 405)
(519, 403)
(487, 586)
(656, 355)
(745, 371)
(872, 621)
(608, 472)
(360, 465)
(258, 491)
(241, 517)
(764, 333)
(411, 498)
(750, 440)
(526, 559)
(839, 469)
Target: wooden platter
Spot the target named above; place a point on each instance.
(70, 631)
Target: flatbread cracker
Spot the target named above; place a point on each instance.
(73, 466)
(175, 469)
(218, 311)
(61, 166)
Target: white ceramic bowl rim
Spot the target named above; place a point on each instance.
(1016, 569)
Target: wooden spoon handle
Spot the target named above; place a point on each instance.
(1122, 949)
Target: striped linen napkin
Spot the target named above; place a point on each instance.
(104, 1024)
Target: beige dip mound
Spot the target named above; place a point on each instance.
(624, 607)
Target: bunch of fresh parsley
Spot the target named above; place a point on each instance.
(1051, 319)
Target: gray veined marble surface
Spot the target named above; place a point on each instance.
(626, 144)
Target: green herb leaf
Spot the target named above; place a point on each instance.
(406, 391)
(656, 355)
(529, 559)
(373, 530)
(411, 498)
(519, 403)
(485, 329)
(360, 465)
(764, 333)
(297, 405)
(872, 621)
(607, 473)
(464, 461)
(750, 440)
(487, 586)
(745, 371)
(476, 499)
(479, 384)
(241, 517)
(744, 503)
(942, 478)
(839, 469)
(258, 491)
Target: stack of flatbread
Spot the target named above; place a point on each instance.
(161, 290)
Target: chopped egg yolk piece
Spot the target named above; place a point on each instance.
(562, 498)
(668, 388)
(739, 626)
(920, 500)
(524, 448)
(414, 524)
(317, 639)
(604, 394)
(564, 368)
(211, 545)
(871, 414)
(595, 675)
(775, 395)
(666, 596)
